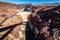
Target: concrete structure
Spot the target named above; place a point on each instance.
(24, 13)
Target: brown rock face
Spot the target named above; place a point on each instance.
(10, 28)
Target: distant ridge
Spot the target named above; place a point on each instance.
(10, 8)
